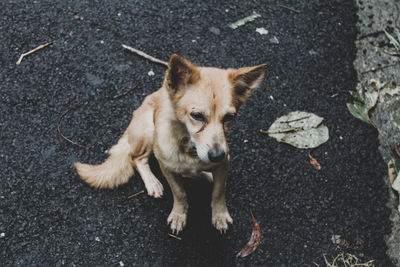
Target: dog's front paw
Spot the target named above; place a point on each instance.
(176, 220)
(154, 188)
(221, 220)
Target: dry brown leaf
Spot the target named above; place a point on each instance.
(314, 162)
(254, 241)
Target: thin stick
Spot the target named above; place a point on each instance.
(291, 9)
(126, 92)
(334, 95)
(146, 56)
(380, 68)
(283, 131)
(174, 236)
(33, 51)
(397, 148)
(59, 123)
(299, 119)
(136, 194)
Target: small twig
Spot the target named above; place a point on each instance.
(146, 56)
(282, 131)
(174, 236)
(32, 51)
(380, 68)
(334, 95)
(59, 123)
(136, 194)
(126, 92)
(299, 119)
(291, 9)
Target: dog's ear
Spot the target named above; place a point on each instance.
(245, 80)
(181, 72)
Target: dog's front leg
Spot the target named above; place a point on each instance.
(177, 217)
(220, 214)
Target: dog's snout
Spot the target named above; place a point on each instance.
(216, 155)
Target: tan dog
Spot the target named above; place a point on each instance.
(184, 124)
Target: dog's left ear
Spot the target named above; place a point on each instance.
(245, 80)
(181, 72)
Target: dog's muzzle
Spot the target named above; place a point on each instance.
(216, 155)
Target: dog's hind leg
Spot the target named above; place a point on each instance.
(153, 186)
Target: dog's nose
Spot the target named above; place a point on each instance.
(216, 155)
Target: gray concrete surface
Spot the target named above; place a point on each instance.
(375, 16)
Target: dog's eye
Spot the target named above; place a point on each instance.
(228, 117)
(197, 116)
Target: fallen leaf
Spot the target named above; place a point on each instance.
(358, 110)
(314, 162)
(254, 241)
(299, 129)
(245, 20)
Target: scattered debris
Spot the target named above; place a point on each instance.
(126, 92)
(151, 73)
(313, 53)
(175, 236)
(391, 171)
(96, 239)
(215, 30)
(314, 162)
(274, 40)
(136, 194)
(347, 260)
(2, 234)
(146, 56)
(299, 129)
(243, 21)
(32, 51)
(254, 241)
(262, 31)
(339, 242)
(291, 9)
(59, 123)
(359, 241)
(334, 95)
(77, 17)
(366, 97)
(121, 263)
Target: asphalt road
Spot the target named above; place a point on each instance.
(48, 217)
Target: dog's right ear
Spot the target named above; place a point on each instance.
(181, 72)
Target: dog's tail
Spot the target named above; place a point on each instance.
(115, 171)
